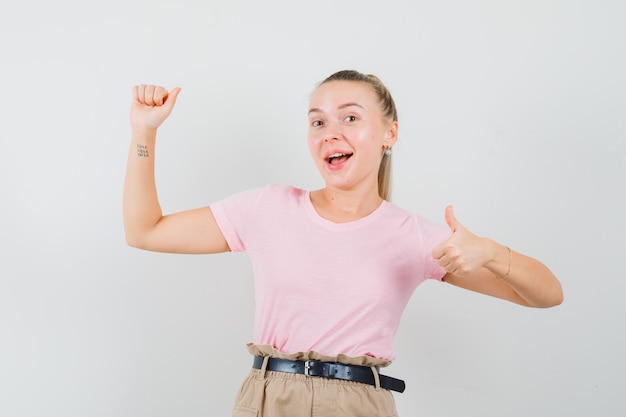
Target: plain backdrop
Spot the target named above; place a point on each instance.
(512, 111)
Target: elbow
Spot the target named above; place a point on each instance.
(134, 240)
(137, 235)
(555, 298)
(557, 295)
(140, 236)
(558, 299)
(552, 302)
(550, 291)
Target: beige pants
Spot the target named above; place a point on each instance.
(279, 394)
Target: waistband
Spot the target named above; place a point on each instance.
(268, 350)
(332, 370)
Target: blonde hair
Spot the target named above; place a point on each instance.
(389, 110)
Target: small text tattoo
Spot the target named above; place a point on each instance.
(142, 151)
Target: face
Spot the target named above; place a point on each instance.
(348, 134)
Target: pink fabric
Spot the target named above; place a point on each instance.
(332, 288)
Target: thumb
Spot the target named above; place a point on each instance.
(451, 220)
(170, 100)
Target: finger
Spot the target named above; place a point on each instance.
(450, 219)
(140, 91)
(449, 267)
(438, 251)
(159, 96)
(148, 95)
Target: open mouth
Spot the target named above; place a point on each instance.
(338, 158)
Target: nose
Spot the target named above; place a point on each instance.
(332, 132)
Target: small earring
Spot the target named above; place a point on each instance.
(388, 151)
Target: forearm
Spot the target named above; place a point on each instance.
(141, 206)
(528, 277)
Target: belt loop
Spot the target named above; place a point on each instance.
(263, 369)
(376, 377)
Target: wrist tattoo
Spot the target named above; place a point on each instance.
(142, 151)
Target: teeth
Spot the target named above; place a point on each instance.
(336, 155)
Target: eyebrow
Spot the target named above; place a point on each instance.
(342, 106)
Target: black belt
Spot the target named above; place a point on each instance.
(356, 373)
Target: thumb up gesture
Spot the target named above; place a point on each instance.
(151, 105)
(463, 253)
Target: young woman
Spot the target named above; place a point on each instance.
(334, 268)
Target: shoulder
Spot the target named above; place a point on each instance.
(268, 191)
(395, 212)
(415, 223)
(284, 190)
(280, 193)
(271, 198)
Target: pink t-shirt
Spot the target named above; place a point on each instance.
(328, 287)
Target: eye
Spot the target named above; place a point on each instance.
(317, 123)
(350, 119)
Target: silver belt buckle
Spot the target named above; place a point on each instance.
(307, 367)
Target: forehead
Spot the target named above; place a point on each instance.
(335, 93)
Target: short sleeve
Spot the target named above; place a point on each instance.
(432, 235)
(234, 216)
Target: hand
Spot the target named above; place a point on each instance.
(463, 253)
(151, 105)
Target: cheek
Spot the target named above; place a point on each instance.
(369, 139)
(312, 143)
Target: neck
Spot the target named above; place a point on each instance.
(343, 206)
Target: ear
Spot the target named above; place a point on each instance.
(392, 135)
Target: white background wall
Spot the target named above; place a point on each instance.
(513, 111)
